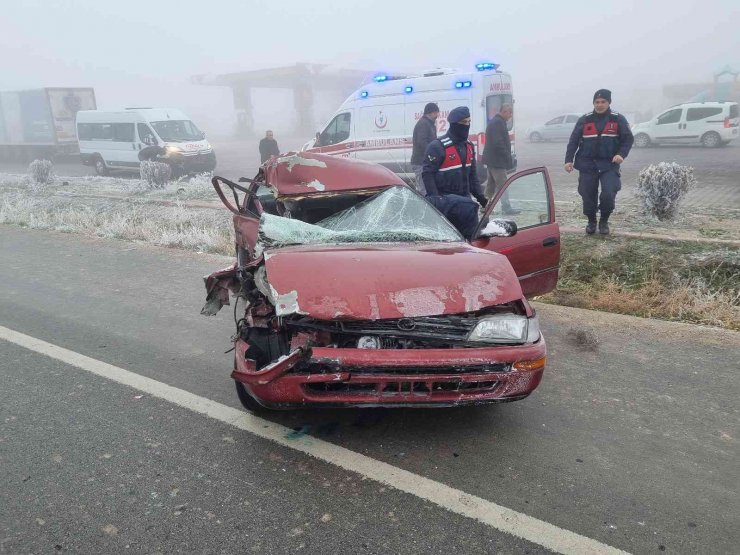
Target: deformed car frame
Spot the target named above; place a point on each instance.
(352, 290)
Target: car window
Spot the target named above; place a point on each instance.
(555, 121)
(528, 195)
(95, 131)
(397, 214)
(493, 107)
(693, 114)
(146, 135)
(571, 119)
(123, 132)
(337, 131)
(671, 116)
(177, 130)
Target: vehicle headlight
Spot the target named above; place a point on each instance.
(172, 149)
(506, 328)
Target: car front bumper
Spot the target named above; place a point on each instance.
(384, 377)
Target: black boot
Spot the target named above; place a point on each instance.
(591, 225)
(604, 225)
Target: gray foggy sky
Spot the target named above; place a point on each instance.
(558, 53)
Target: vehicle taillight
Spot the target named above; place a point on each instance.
(727, 123)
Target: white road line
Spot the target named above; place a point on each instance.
(456, 501)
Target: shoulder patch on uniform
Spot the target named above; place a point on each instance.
(431, 158)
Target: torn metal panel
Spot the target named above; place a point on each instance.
(247, 373)
(218, 286)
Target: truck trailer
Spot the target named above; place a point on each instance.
(40, 123)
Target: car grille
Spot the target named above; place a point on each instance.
(453, 329)
(318, 368)
(392, 389)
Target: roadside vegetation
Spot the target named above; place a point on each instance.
(674, 280)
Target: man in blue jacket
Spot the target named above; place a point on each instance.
(450, 175)
(600, 142)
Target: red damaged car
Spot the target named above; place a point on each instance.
(352, 290)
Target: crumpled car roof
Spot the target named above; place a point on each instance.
(308, 173)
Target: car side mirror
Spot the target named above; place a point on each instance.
(498, 228)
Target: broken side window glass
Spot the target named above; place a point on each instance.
(396, 214)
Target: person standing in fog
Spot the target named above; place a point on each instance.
(600, 142)
(268, 147)
(497, 156)
(425, 131)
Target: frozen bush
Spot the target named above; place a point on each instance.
(41, 171)
(660, 188)
(156, 174)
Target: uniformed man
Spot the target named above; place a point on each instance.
(450, 175)
(600, 142)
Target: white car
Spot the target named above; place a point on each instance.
(557, 129)
(711, 124)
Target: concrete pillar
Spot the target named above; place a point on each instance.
(303, 103)
(244, 111)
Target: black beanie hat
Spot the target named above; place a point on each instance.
(431, 108)
(606, 94)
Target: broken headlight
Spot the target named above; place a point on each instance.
(506, 328)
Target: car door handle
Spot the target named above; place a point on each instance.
(550, 242)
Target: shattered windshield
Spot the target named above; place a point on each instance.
(395, 215)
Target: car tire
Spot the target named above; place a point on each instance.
(642, 140)
(99, 165)
(535, 137)
(711, 139)
(247, 401)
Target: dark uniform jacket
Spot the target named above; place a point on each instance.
(425, 131)
(497, 152)
(596, 139)
(449, 169)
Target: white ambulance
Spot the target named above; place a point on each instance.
(376, 122)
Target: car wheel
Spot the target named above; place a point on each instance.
(642, 140)
(100, 167)
(535, 137)
(247, 401)
(711, 139)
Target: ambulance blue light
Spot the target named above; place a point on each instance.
(459, 85)
(485, 66)
(467, 84)
(408, 89)
(363, 94)
(463, 84)
(380, 78)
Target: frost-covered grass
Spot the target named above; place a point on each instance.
(205, 230)
(194, 188)
(673, 280)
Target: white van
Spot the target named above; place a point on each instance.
(377, 121)
(711, 124)
(113, 140)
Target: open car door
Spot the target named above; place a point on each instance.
(534, 251)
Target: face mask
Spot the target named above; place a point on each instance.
(459, 132)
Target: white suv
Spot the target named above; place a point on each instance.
(711, 124)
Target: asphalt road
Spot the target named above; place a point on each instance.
(631, 442)
(717, 170)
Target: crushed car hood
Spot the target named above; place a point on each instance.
(379, 281)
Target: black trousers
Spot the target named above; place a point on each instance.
(588, 188)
